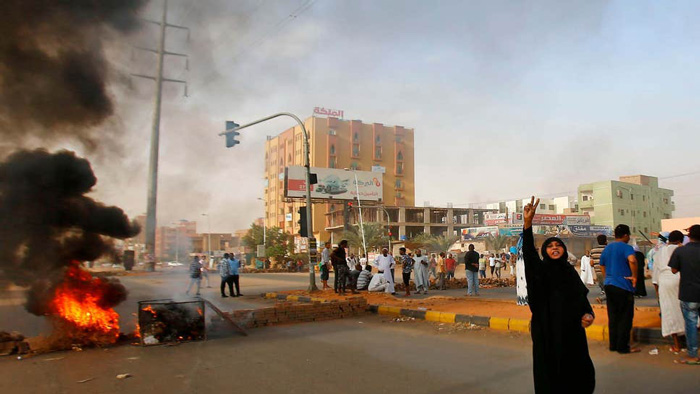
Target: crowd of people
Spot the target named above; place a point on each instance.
(618, 269)
(229, 271)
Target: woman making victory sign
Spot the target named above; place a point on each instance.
(560, 314)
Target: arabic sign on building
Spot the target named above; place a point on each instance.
(336, 113)
(334, 184)
(494, 219)
(548, 219)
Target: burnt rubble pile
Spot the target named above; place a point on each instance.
(167, 321)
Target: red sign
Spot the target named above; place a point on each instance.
(336, 113)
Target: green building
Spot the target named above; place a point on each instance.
(635, 200)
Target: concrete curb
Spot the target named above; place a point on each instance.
(595, 332)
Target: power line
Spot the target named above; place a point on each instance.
(680, 175)
(274, 30)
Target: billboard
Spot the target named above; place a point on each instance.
(479, 232)
(494, 219)
(334, 184)
(512, 230)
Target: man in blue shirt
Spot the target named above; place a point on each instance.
(233, 277)
(619, 267)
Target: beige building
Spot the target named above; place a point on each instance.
(337, 143)
(635, 200)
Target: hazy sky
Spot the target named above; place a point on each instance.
(507, 99)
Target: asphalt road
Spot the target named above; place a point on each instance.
(367, 354)
(171, 283)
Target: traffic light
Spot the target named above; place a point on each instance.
(231, 134)
(303, 229)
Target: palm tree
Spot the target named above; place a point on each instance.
(434, 243)
(497, 242)
(375, 237)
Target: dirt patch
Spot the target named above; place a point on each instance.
(643, 316)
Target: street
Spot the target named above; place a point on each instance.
(368, 354)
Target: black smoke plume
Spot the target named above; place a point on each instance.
(47, 223)
(53, 72)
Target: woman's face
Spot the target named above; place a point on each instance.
(555, 250)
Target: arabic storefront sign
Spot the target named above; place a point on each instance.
(510, 230)
(336, 113)
(547, 219)
(494, 219)
(479, 232)
(334, 184)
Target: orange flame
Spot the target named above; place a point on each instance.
(77, 301)
(150, 309)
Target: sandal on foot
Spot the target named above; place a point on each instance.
(687, 361)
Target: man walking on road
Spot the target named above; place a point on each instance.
(686, 260)
(224, 273)
(471, 263)
(421, 275)
(619, 265)
(195, 275)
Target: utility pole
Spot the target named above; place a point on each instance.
(155, 133)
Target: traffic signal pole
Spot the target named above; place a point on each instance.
(307, 154)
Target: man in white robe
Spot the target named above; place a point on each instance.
(377, 283)
(672, 322)
(384, 263)
(586, 269)
(421, 272)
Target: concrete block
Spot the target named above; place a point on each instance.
(499, 323)
(519, 325)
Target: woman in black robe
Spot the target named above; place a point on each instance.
(560, 313)
(640, 289)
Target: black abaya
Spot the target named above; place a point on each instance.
(557, 299)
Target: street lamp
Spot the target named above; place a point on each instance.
(307, 164)
(209, 236)
(359, 206)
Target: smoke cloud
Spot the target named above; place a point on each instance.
(53, 71)
(47, 223)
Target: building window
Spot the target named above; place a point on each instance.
(399, 139)
(644, 198)
(552, 207)
(631, 196)
(644, 214)
(355, 137)
(399, 156)
(398, 183)
(332, 150)
(646, 230)
(354, 165)
(333, 162)
(399, 168)
(378, 152)
(622, 212)
(332, 132)
(377, 140)
(355, 150)
(543, 206)
(633, 212)
(584, 198)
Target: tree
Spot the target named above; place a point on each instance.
(375, 237)
(497, 242)
(433, 243)
(278, 243)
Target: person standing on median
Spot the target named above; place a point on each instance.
(421, 273)
(602, 240)
(384, 263)
(471, 263)
(619, 266)
(560, 314)
(325, 264)
(195, 275)
(407, 267)
(686, 260)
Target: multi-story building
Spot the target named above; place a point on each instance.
(636, 201)
(337, 143)
(557, 205)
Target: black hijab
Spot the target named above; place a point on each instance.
(559, 272)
